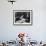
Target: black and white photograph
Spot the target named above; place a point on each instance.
(22, 17)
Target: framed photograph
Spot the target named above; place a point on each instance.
(22, 17)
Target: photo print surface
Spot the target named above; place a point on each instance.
(22, 16)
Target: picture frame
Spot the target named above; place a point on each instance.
(22, 17)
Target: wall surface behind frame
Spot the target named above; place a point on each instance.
(38, 30)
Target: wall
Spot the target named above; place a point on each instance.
(37, 31)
